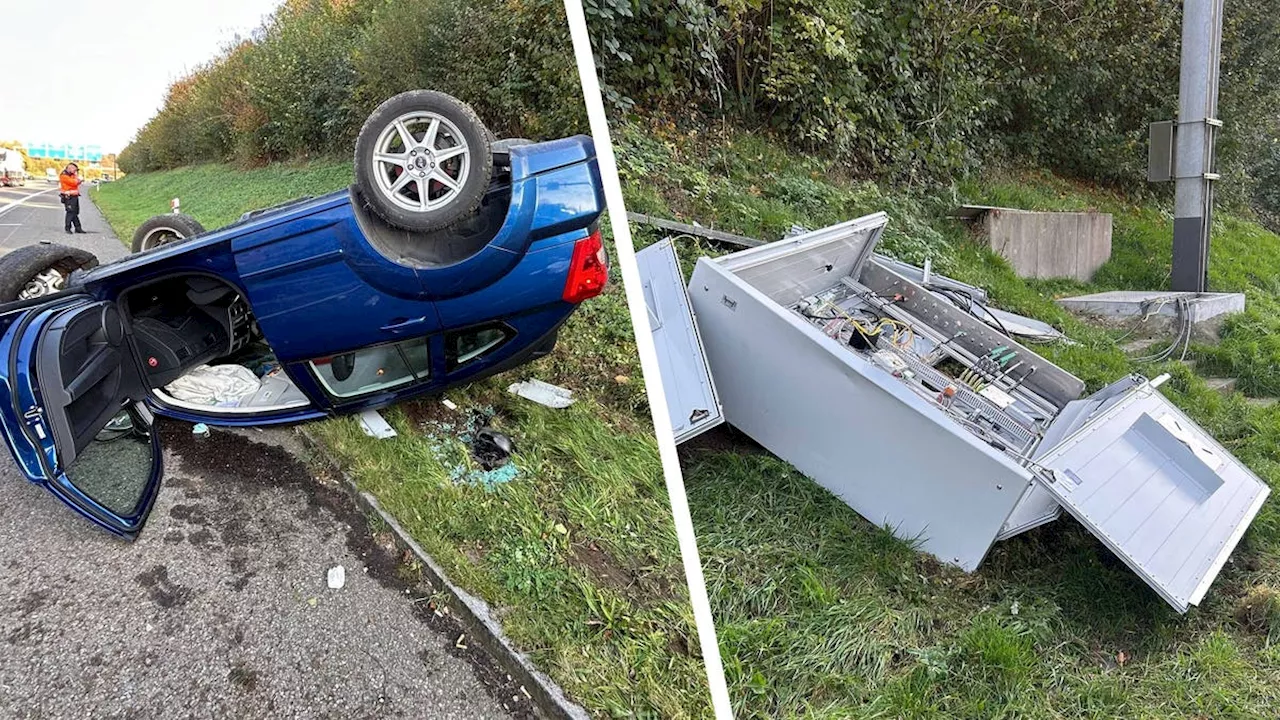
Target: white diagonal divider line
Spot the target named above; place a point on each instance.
(6, 208)
(648, 358)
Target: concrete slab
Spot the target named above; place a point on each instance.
(1155, 313)
(1147, 303)
(1223, 385)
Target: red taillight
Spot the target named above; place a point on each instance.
(588, 271)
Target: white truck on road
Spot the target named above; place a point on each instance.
(13, 168)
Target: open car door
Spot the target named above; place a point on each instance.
(72, 411)
(1157, 490)
(692, 402)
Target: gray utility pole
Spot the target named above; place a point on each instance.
(1194, 158)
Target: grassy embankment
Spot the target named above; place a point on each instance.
(821, 614)
(578, 552)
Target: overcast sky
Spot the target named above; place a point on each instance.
(93, 71)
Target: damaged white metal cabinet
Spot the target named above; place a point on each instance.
(691, 398)
(837, 418)
(1154, 487)
(1157, 490)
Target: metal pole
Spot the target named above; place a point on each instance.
(1197, 131)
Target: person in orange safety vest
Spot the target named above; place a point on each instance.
(69, 190)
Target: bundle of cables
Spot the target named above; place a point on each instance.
(965, 301)
(1183, 337)
(866, 332)
(989, 368)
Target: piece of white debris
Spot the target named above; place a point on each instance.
(337, 577)
(373, 425)
(543, 393)
(449, 404)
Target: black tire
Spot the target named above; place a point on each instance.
(22, 266)
(374, 179)
(165, 229)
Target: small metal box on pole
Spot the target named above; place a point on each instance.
(1160, 151)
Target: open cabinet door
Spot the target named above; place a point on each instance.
(75, 421)
(692, 402)
(1157, 490)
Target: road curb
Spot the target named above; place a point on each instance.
(473, 612)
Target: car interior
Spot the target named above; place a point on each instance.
(201, 348)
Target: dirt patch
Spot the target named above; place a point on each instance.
(430, 411)
(597, 562)
(644, 588)
(247, 467)
(723, 438)
(1259, 611)
(474, 553)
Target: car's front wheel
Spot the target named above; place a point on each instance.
(34, 271)
(423, 161)
(165, 229)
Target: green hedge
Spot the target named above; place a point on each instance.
(305, 82)
(920, 89)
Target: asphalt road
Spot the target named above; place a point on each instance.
(40, 217)
(221, 607)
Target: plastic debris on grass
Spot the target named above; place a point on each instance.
(473, 453)
(374, 425)
(543, 393)
(491, 448)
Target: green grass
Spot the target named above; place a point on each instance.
(216, 195)
(822, 615)
(578, 554)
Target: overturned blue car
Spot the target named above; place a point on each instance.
(451, 258)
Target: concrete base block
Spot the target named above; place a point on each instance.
(1155, 313)
(1050, 244)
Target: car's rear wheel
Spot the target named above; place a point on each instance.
(165, 229)
(34, 271)
(423, 160)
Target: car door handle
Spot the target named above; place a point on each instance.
(403, 326)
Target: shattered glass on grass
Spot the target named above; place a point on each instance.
(450, 445)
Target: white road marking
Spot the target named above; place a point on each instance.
(20, 201)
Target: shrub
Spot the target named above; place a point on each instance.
(923, 89)
(303, 84)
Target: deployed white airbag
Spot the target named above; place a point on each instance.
(221, 385)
